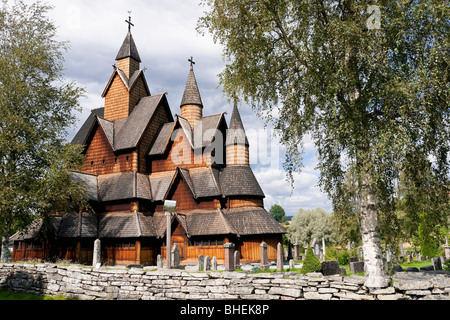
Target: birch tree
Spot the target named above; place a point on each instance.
(368, 80)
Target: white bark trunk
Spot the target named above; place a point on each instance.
(374, 272)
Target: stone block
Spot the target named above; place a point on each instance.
(357, 267)
(330, 267)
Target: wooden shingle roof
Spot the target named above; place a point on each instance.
(191, 94)
(128, 49)
(238, 181)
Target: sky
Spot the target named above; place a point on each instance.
(165, 35)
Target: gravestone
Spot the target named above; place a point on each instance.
(207, 266)
(352, 259)
(427, 268)
(317, 249)
(159, 261)
(214, 263)
(360, 253)
(349, 245)
(237, 259)
(436, 262)
(201, 262)
(447, 252)
(175, 256)
(323, 247)
(330, 267)
(357, 267)
(291, 264)
(279, 257)
(412, 269)
(264, 265)
(229, 258)
(296, 251)
(97, 255)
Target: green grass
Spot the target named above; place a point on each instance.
(417, 264)
(11, 295)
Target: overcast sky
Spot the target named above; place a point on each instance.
(165, 35)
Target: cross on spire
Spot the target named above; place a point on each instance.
(191, 60)
(129, 21)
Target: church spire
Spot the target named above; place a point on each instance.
(236, 142)
(128, 56)
(191, 104)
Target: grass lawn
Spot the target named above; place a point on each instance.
(11, 295)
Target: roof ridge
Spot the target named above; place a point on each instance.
(229, 228)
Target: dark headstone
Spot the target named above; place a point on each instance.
(436, 263)
(330, 267)
(342, 271)
(412, 269)
(357, 267)
(396, 268)
(352, 259)
(427, 268)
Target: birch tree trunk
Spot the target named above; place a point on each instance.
(376, 277)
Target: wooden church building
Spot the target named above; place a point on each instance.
(137, 155)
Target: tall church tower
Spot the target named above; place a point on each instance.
(127, 83)
(191, 103)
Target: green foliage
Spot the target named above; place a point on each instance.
(309, 224)
(428, 244)
(311, 262)
(331, 253)
(374, 100)
(36, 108)
(277, 212)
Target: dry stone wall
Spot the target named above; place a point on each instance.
(135, 283)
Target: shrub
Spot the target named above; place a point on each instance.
(311, 262)
(331, 253)
(343, 256)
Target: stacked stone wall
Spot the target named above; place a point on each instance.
(141, 284)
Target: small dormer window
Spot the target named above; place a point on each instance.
(127, 158)
(92, 163)
(115, 160)
(103, 162)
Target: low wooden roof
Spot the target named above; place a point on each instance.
(199, 222)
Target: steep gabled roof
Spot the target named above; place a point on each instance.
(124, 133)
(128, 49)
(207, 127)
(134, 126)
(85, 130)
(129, 83)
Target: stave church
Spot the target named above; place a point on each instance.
(138, 155)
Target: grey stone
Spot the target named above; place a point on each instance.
(159, 261)
(175, 256)
(436, 262)
(207, 263)
(214, 263)
(201, 262)
(412, 269)
(357, 267)
(427, 268)
(330, 267)
(237, 259)
(264, 265)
